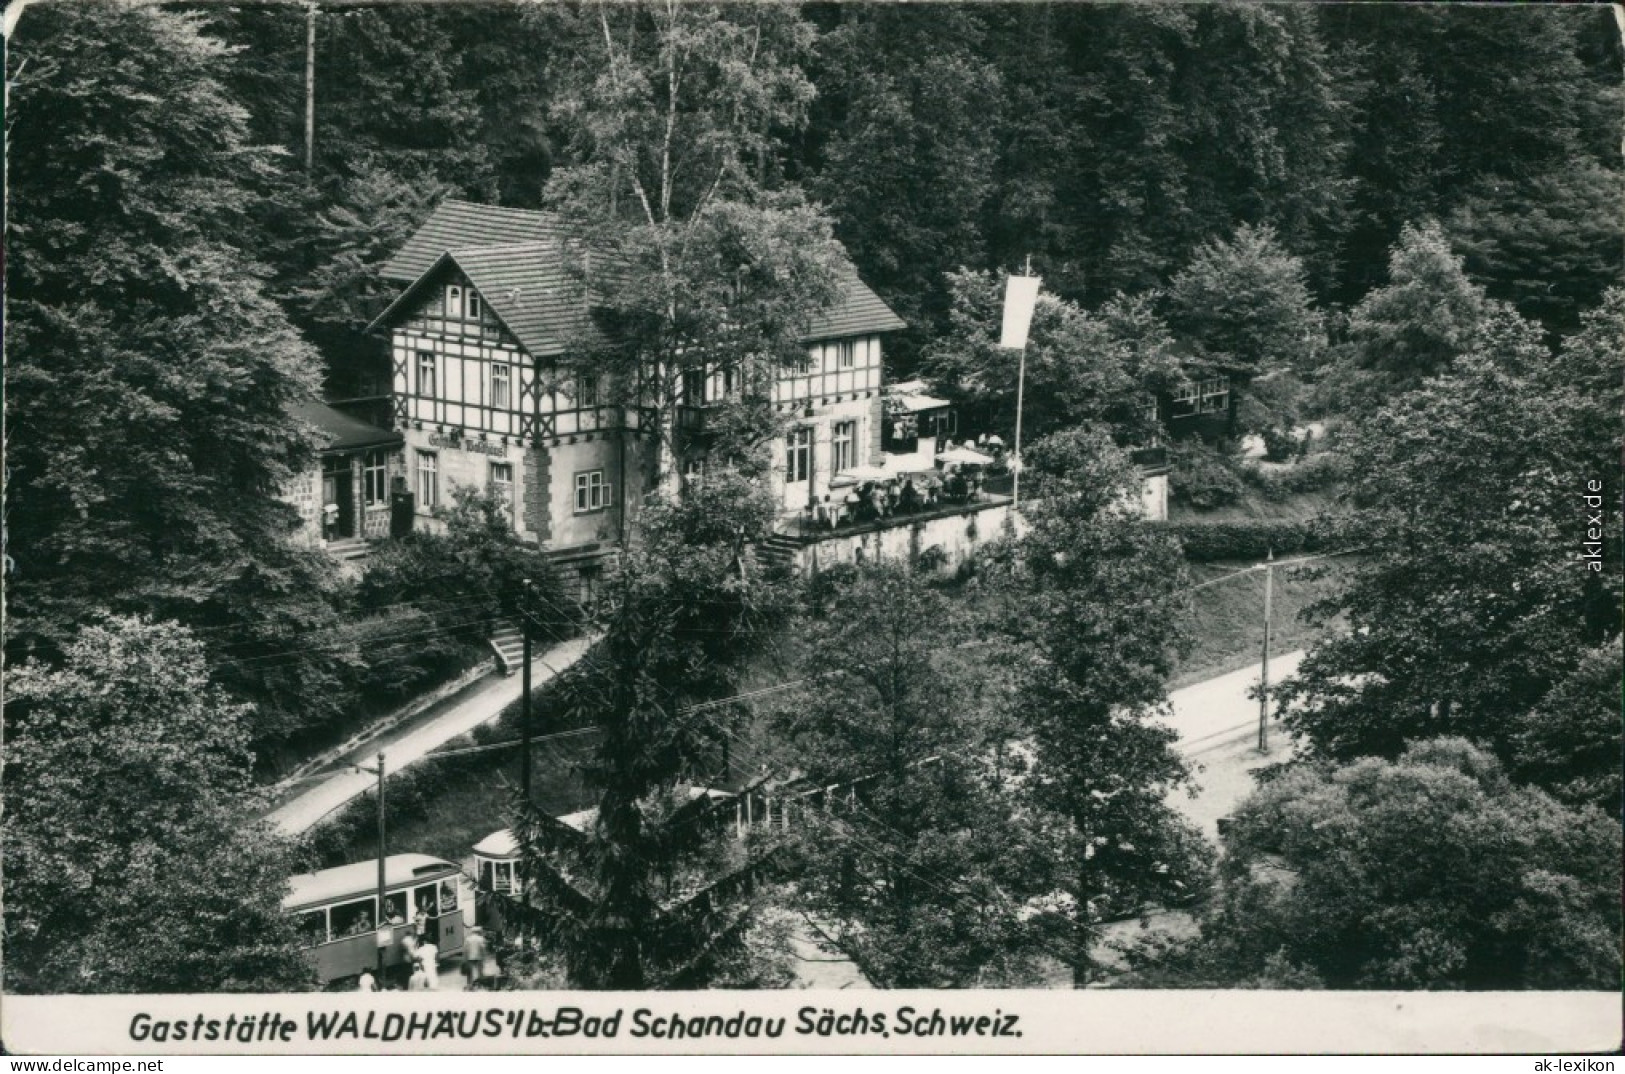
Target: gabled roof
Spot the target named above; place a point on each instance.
(858, 312)
(456, 225)
(527, 287)
(338, 431)
(516, 259)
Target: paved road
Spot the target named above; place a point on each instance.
(1218, 732)
(462, 714)
(1212, 712)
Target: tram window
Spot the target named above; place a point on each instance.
(395, 908)
(423, 900)
(312, 927)
(448, 896)
(352, 918)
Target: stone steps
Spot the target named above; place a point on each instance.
(347, 548)
(509, 645)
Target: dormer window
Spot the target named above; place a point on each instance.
(454, 301)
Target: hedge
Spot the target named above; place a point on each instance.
(1321, 471)
(1248, 538)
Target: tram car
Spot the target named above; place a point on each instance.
(337, 912)
(496, 857)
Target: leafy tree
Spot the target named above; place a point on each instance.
(924, 874)
(1550, 245)
(128, 822)
(923, 122)
(465, 579)
(278, 637)
(1090, 593)
(337, 291)
(1080, 367)
(1473, 600)
(669, 111)
(1494, 95)
(1430, 871)
(1427, 314)
(1570, 743)
(1243, 303)
(130, 308)
(651, 895)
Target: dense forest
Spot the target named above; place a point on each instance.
(1106, 142)
(1399, 220)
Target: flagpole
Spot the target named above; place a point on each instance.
(1021, 385)
(1016, 326)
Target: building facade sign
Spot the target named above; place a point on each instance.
(482, 447)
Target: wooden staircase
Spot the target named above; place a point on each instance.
(509, 645)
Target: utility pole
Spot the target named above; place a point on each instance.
(1264, 676)
(524, 694)
(381, 928)
(310, 88)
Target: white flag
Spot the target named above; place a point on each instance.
(1020, 295)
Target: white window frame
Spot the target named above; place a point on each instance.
(587, 391)
(428, 475)
(472, 298)
(843, 445)
(454, 301)
(501, 378)
(592, 492)
(428, 361)
(1214, 395)
(504, 488)
(798, 455)
(846, 354)
(375, 472)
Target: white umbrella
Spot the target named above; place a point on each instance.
(964, 456)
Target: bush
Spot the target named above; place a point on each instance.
(1249, 538)
(1317, 473)
(1202, 477)
(932, 560)
(1279, 444)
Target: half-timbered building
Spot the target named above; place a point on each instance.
(489, 389)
